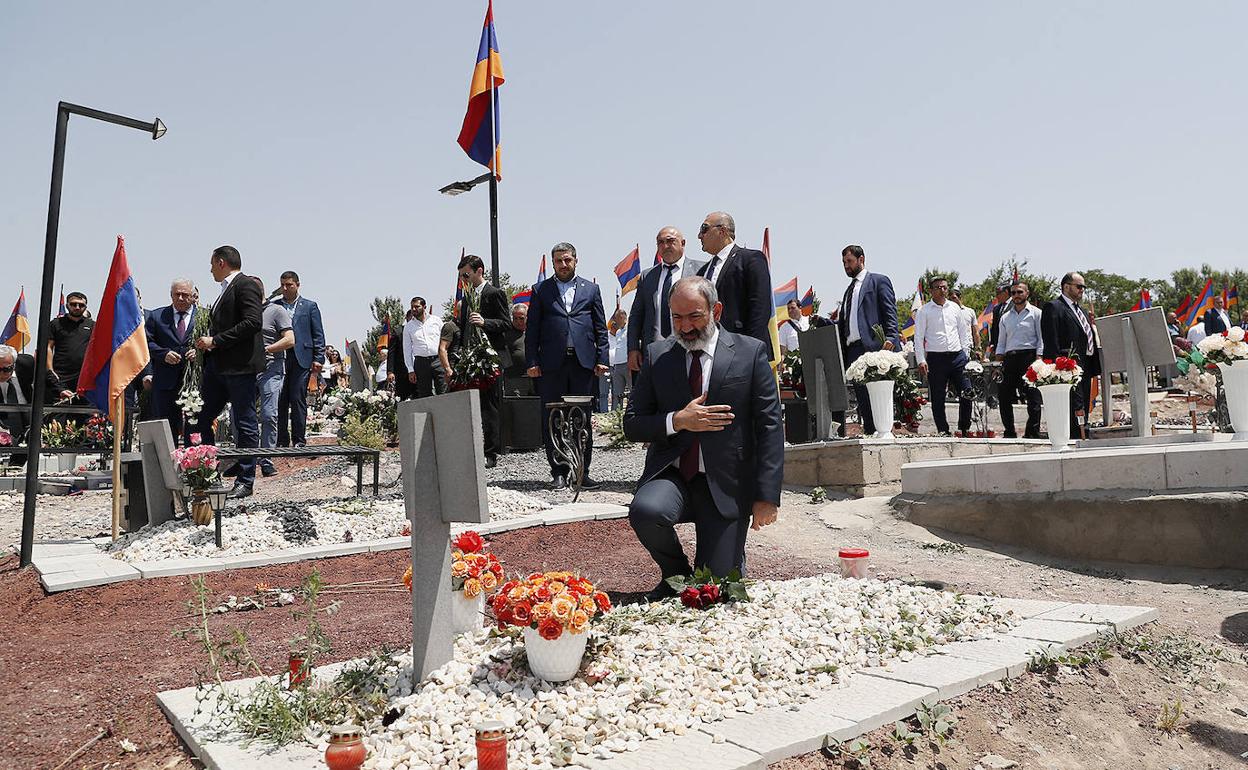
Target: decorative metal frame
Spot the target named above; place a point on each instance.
(985, 386)
(571, 430)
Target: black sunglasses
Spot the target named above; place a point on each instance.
(705, 228)
(7, 369)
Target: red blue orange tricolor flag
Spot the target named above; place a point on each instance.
(383, 339)
(479, 134)
(628, 271)
(1144, 302)
(117, 350)
(62, 310)
(985, 318)
(1202, 303)
(17, 331)
(808, 302)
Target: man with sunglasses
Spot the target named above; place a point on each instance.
(742, 279)
(1067, 331)
(1018, 340)
(70, 334)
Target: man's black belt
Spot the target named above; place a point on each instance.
(1024, 352)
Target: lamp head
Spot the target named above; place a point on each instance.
(216, 497)
(158, 129)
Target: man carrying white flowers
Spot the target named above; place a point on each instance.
(940, 345)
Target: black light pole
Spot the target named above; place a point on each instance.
(456, 188)
(34, 442)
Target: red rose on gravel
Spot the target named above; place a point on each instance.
(469, 542)
(691, 598)
(550, 628)
(710, 593)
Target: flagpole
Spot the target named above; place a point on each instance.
(494, 268)
(119, 421)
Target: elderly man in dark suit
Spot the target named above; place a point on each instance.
(707, 404)
(304, 360)
(492, 318)
(651, 320)
(742, 279)
(1216, 319)
(17, 387)
(233, 352)
(169, 344)
(565, 344)
(869, 302)
(1067, 330)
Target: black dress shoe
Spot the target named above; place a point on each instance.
(590, 483)
(560, 481)
(660, 592)
(268, 470)
(490, 461)
(240, 490)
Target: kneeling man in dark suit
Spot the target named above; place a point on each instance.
(708, 406)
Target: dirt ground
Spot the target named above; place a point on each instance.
(74, 663)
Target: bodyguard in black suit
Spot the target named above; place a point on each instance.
(1216, 319)
(707, 404)
(742, 279)
(1067, 330)
(169, 345)
(233, 354)
(17, 387)
(565, 345)
(651, 319)
(493, 318)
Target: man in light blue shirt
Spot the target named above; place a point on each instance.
(1019, 342)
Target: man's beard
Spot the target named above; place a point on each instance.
(699, 343)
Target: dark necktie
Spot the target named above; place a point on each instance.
(8, 419)
(181, 327)
(1087, 328)
(847, 306)
(665, 314)
(689, 460)
(710, 271)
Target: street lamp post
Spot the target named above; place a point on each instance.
(35, 439)
(456, 188)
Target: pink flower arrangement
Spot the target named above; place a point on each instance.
(6, 439)
(198, 464)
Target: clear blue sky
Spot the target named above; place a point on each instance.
(314, 136)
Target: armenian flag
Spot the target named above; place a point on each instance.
(17, 331)
(541, 270)
(479, 134)
(782, 295)
(1230, 297)
(1202, 303)
(117, 350)
(1144, 302)
(1183, 306)
(773, 323)
(383, 339)
(62, 310)
(808, 302)
(629, 270)
(985, 318)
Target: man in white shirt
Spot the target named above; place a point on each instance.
(1196, 333)
(421, 335)
(617, 345)
(940, 345)
(969, 320)
(791, 326)
(1019, 341)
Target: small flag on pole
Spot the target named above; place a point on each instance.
(117, 350)
(383, 340)
(17, 331)
(808, 302)
(62, 310)
(628, 271)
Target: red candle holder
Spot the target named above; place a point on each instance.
(346, 749)
(298, 671)
(491, 746)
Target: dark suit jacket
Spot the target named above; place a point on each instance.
(495, 310)
(552, 328)
(234, 325)
(641, 320)
(745, 461)
(309, 334)
(162, 337)
(1213, 322)
(24, 373)
(744, 285)
(995, 329)
(876, 305)
(1063, 336)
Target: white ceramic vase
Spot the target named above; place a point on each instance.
(66, 462)
(1057, 414)
(880, 394)
(466, 613)
(1235, 383)
(557, 660)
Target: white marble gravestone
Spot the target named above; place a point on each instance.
(441, 452)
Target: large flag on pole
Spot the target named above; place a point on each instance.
(383, 339)
(479, 134)
(773, 323)
(117, 350)
(628, 271)
(17, 331)
(1202, 303)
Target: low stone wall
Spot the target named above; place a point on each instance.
(872, 467)
(1204, 530)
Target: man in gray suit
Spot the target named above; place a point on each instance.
(708, 406)
(651, 320)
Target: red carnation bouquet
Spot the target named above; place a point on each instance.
(1048, 371)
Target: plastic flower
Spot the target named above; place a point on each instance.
(578, 621)
(550, 629)
(468, 542)
(407, 577)
(562, 606)
(472, 588)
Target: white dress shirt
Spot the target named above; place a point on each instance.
(969, 319)
(677, 272)
(617, 344)
(708, 359)
(855, 334)
(1196, 333)
(717, 264)
(420, 339)
(1019, 330)
(382, 368)
(568, 292)
(939, 329)
(1226, 319)
(12, 383)
(225, 284)
(789, 329)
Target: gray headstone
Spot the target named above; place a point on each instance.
(824, 373)
(1130, 342)
(160, 478)
(440, 449)
(358, 377)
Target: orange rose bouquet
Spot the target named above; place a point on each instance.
(474, 570)
(549, 602)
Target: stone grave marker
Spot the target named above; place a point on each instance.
(1130, 342)
(160, 478)
(442, 460)
(358, 378)
(824, 373)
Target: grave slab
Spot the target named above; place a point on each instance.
(1121, 617)
(1025, 608)
(1060, 631)
(1012, 652)
(169, 567)
(783, 732)
(332, 549)
(949, 676)
(871, 701)
(557, 516)
(692, 751)
(58, 548)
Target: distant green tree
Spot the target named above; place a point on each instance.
(1108, 293)
(382, 307)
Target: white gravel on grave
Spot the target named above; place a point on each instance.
(255, 531)
(666, 669)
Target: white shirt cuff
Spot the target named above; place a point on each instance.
(670, 430)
